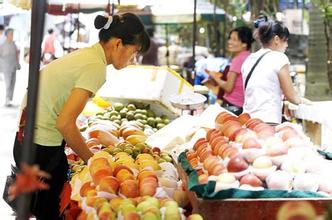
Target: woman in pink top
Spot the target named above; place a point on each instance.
(239, 44)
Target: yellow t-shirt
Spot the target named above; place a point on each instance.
(84, 68)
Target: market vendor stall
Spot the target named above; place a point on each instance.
(242, 164)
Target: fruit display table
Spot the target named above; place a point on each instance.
(248, 209)
(126, 178)
(245, 169)
(317, 121)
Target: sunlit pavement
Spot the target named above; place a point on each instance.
(8, 123)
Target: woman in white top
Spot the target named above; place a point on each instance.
(270, 79)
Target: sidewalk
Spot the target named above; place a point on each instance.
(8, 121)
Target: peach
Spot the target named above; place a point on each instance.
(211, 166)
(243, 118)
(85, 188)
(99, 203)
(91, 200)
(287, 133)
(215, 141)
(262, 126)
(203, 178)
(251, 142)
(222, 148)
(115, 203)
(105, 212)
(253, 122)
(99, 162)
(148, 188)
(109, 184)
(205, 154)
(123, 175)
(131, 216)
(193, 162)
(146, 173)
(218, 144)
(277, 150)
(202, 147)
(208, 161)
(230, 127)
(129, 188)
(230, 152)
(191, 154)
(214, 135)
(228, 118)
(101, 173)
(120, 167)
(199, 142)
(216, 147)
(209, 133)
(148, 179)
(238, 134)
(218, 169)
(220, 117)
(232, 132)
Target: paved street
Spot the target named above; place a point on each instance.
(8, 123)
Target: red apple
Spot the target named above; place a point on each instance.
(252, 180)
(237, 164)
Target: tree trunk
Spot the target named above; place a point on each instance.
(317, 86)
(328, 32)
(256, 6)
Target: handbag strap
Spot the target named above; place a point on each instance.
(253, 68)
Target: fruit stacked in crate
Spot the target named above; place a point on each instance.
(111, 125)
(246, 153)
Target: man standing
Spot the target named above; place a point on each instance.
(9, 61)
(2, 36)
(151, 57)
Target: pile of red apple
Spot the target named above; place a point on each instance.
(243, 152)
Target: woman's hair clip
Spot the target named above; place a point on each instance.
(108, 23)
(260, 20)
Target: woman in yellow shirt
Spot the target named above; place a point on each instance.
(66, 85)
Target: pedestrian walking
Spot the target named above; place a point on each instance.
(9, 64)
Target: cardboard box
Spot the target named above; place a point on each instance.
(149, 84)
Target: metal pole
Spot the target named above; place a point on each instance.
(194, 39)
(167, 45)
(37, 31)
(216, 30)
